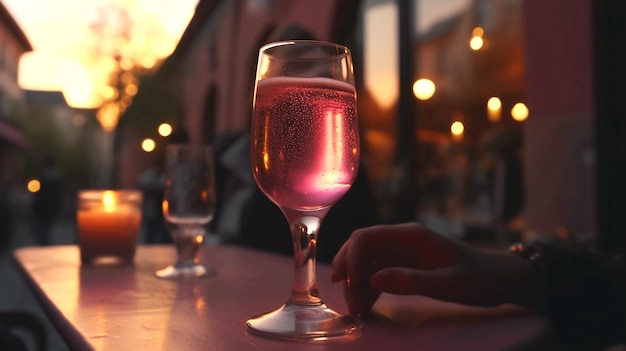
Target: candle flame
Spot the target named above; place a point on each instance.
(108, 201)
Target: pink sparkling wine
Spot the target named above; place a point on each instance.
(305, 141)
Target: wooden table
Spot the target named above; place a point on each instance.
(128, 308)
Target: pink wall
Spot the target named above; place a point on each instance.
(236, 29)
(559, 47)
(558, 139)
(240, 29)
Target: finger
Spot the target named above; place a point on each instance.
(442, 284)
(353, 264)
(366, 251)
(369, 249)
(364, 254)
(359, 299)
(338, 272)
(343, 258)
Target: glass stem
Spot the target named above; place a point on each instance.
(187, 243)
(304, 230)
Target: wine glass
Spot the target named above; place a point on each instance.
(188, 206)
(305, 156)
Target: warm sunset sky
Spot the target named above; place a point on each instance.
(63, 43)
(59, 32)
(381, 45)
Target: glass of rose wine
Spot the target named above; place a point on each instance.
(188, 206)
(305, 156)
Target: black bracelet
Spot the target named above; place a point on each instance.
(582, 294)
(532, 253)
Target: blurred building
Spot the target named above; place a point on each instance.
(464, 80)
(211, 72)
(13, 44)
(72, 135)
(534, 162)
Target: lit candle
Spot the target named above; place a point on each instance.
(108, 224)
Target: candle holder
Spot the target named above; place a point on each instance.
(108, 224)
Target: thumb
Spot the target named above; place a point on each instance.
(437, 284)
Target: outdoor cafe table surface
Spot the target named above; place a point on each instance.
(128, 308)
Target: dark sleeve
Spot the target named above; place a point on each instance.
(355, 210)
(263, 226)
(11, 342)
(585, 296)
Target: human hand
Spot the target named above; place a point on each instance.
(410, 259)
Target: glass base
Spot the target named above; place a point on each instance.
(304, 323)
(180, 271)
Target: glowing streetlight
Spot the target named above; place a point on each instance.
(33, 186)
(148, 145)
(165, 129)
(476, 43)
(108, 92)
(424, 89)
(519, 112)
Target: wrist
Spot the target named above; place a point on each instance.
(529, 287)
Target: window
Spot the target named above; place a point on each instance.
(469, 170)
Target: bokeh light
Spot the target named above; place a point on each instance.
(108, 92)
(148, 145)
(476, 43)
(478, 32)
(519, 112)
(424, 89)
(33, 185)
(494, 103)
(494, 109)
(165, 129)
(457, 128)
